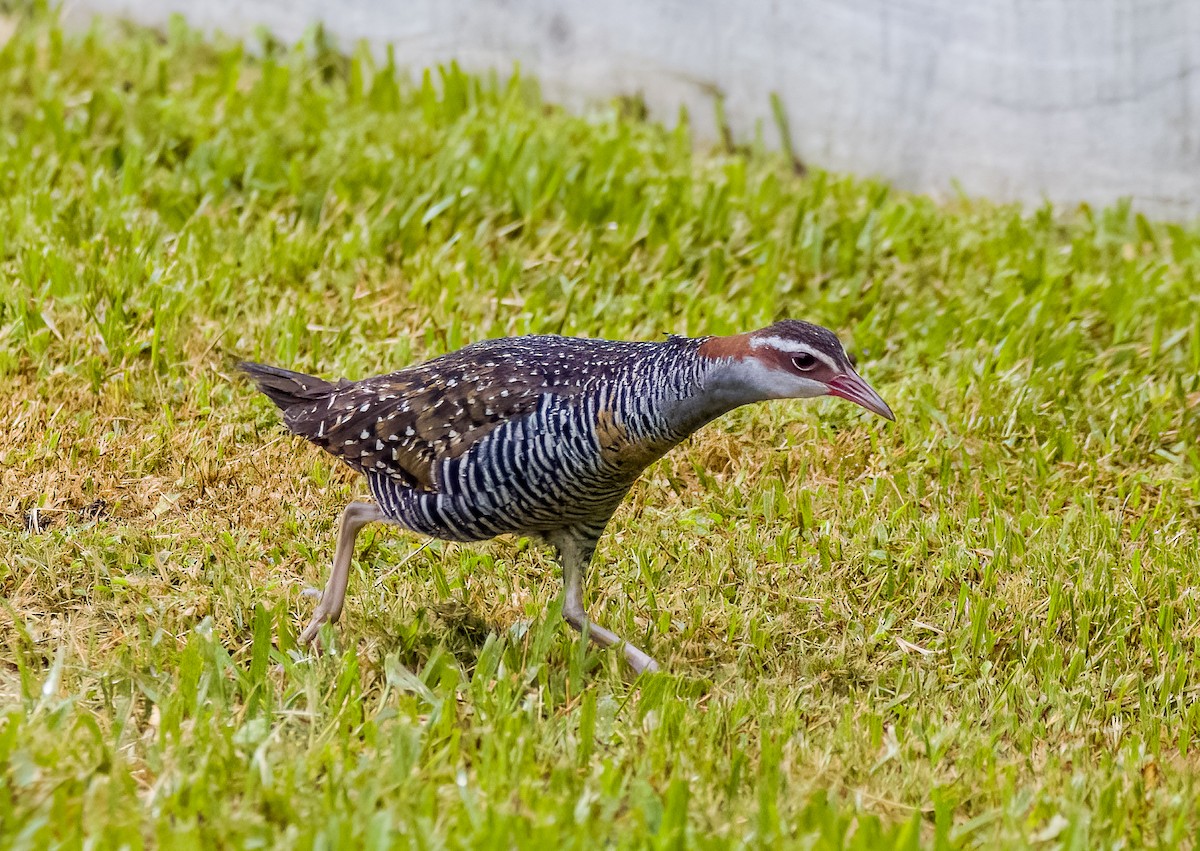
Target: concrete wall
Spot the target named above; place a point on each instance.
(1071, 100)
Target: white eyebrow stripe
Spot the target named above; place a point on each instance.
(793, 347)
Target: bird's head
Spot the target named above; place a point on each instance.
(792, 360)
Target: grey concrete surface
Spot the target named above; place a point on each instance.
(1067, 100)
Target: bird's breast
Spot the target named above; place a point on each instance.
(625, 447)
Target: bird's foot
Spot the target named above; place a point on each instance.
(639, 661)
(320, 615)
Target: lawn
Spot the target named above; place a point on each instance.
(979, 626)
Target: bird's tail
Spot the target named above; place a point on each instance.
(284, 387)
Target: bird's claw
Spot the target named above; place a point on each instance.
(643, 664)
(320, 616)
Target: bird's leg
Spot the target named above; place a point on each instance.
(356, 515)
(575, 559)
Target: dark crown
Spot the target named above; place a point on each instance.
(819, 338)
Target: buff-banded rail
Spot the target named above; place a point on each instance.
(541, 435)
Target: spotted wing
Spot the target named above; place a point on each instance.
(401, 425)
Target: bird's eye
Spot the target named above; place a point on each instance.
(804, 362)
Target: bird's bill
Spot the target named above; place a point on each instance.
(852, 387)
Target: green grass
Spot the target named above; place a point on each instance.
(978, 627)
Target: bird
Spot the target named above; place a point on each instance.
(540, 435)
